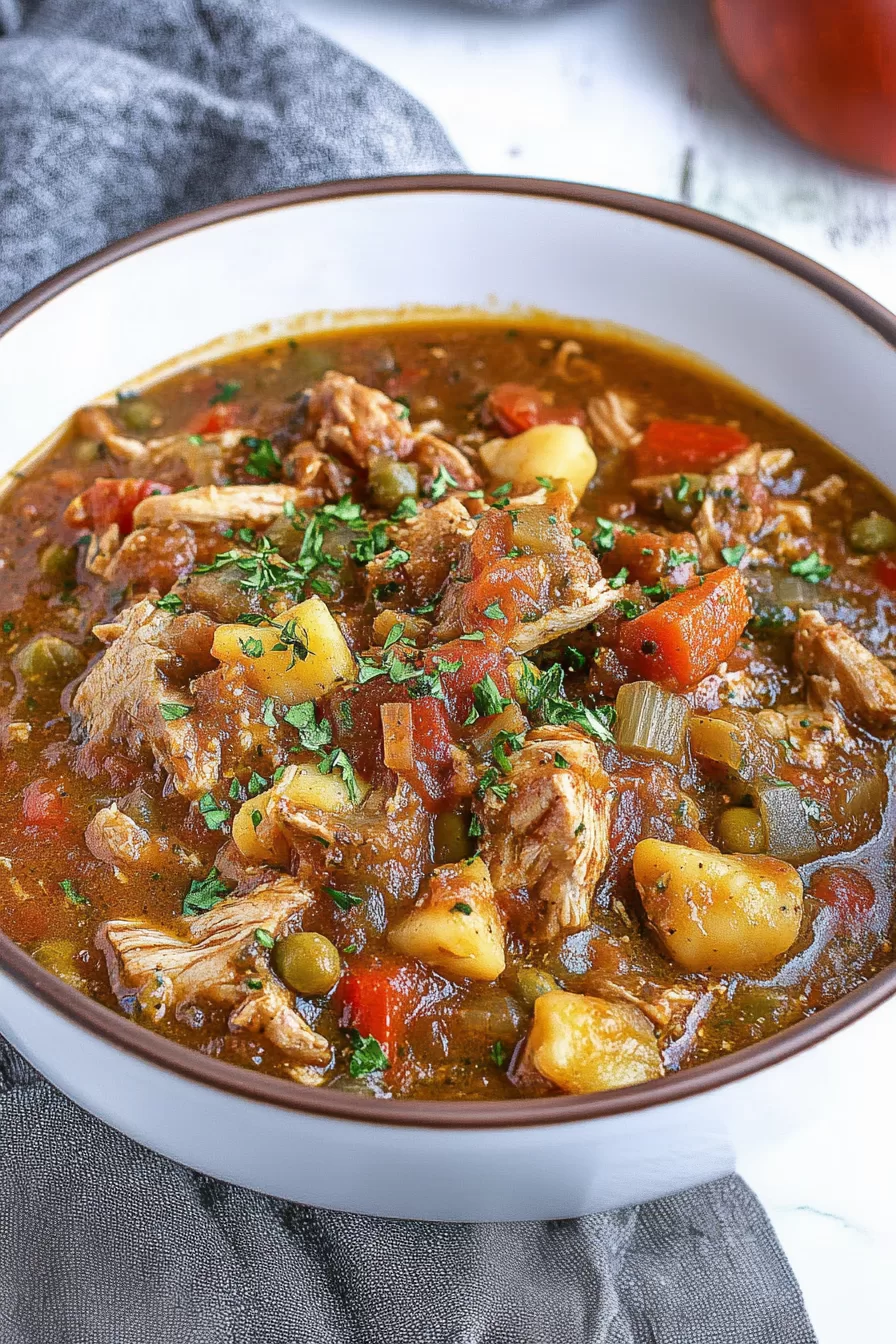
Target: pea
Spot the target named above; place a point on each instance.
(138, 415)
(741, 831)
(87, 450)
(307, 962)
(872, 534)
(450, 839)
(532, 983)
(58, 562)
(48, 659)
(391, 482)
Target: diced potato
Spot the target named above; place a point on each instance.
(312, 658)
(584, 1044)
(716, 740)
(561, 452)
(718, 912)
(255, 831)
(456, 927)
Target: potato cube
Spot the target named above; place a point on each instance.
(299, 658)
(722, 913)
(585, 1044)
(256, 833)
(456, 926)
(560, 452)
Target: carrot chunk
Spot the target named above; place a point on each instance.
(683, 640)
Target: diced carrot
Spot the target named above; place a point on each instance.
(44, 804)
(683, 445)
(377, 998)
(684, 639)
(515, 407)
(211, 420)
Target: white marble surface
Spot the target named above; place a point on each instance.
(633, 94)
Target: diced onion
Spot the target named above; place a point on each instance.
(398, 736)
(650, 721)
(789, 835)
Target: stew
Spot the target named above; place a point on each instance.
(449, 711)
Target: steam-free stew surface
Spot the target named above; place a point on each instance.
(519, 728)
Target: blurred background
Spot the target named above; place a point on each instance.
(637, 94)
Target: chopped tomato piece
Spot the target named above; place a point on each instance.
(683, 445)
(112, 500)
(684, 639)
(477, 658)
(491, 541)
(212, 419)
(885, 571)
(45, 804)
(431, 773)
(848, 891)
(651, 558)
(510, 591)
(378, 998)
(516, 407)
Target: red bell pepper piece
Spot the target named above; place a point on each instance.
(682, 640)
(683, 445)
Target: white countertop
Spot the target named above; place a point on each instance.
(634, 94)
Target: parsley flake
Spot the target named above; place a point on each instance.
(343, 899)
(732, 555)
(812, 569)
(170, 602)
(368, 1056)
(442, 483)
(205, 894)
(71, 892)
(171, 710)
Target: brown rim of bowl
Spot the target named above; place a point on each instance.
(190, 1064)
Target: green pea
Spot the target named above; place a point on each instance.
(872, 534)
(138, 415)
(450, 838)
(48, 659)
(307, 962)
(58, 562)
(532, 983)
(390, 482)
(87, 450)
(741, 831)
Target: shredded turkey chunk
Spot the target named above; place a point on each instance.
(840, 670)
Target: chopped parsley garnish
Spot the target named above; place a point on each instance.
(343, 899)
(442, 483)
(812, 569)
(502, 491)
(256, 819)
(71, 892)
(491, 781)
(171, 710)
(213, 814)
(337, 760)
(402, 407)
(291, 640)
(267, 712)
(475, 828)
(234, 792)
(487, 698)
(605, 535)
(681, 490)
(461, 908)
(494, 613)
(544, 695)
(619, 579)
(345, 714)
(732, 555)
(677, 558)
(251, 647)
(560, 761)
(368, 1055)
(170, 602)
(257, 784)
(205, 894)
(626, 608)
(263, 938)
(474, 635)
(498, 1054)
(545, 481)
(226, 392)
(407, 508)
(312, 735)
(396, 557)
(264, 460)
(254, 983)
(395, 633)
(575, 658)
(812, 808)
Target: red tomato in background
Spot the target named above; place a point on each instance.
(223, 415)
(682, 445)
(516, 407)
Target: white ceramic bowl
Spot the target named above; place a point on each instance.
(796, 333)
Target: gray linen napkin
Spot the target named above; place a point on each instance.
(115, 114)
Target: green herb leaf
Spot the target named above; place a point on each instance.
(812, 568)
(251, 647)
(407, 508)
(732, 555)
(226, 392)
(396, 557)
(395, 633)
(343, 899)
(312, 735)
(206, 894)
(170, 602)
(461, 908)
(337, 760)
(441, 484)
(498, 1054)
(212, 812)
(267, 712)
(264, 460)
(487, 698)
(368, 1056)
(605, 536)
(171, 710)
(627, 608)
(257, 784)
(263, 938)
(494, 613)
(545, 481)
(474, 635)
(71, 892)
(619, 579)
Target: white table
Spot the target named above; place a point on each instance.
(634, 94)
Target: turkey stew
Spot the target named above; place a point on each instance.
(457, 710)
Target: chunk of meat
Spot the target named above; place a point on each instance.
(612, 420)
(311, 470)
(732, 513)
(589, 600)
(811, 736)
(431, 454)
(842, 671)
(120, 701)
(206, 457)
(360, 423)
(247, 505)
(551, 836)
(432, 541)
(95, 422)
(152, 557)
(115, 838)
(220, 961)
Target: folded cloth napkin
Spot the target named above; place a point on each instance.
(115, 114)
